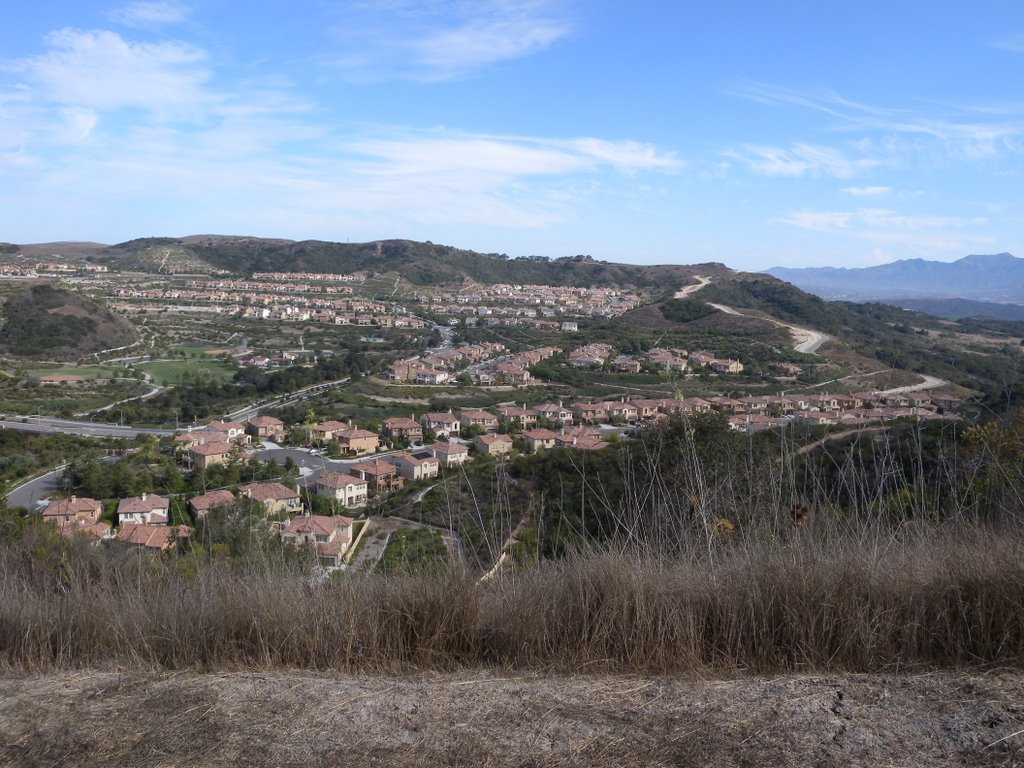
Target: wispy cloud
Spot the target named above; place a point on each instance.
(437, 40)
(150, 14)
(801, 160)
(954, 132)
(867, 191)
(920, 233)
(100, 70)
(128, 120)
(1013, 43)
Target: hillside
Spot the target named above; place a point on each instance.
(419, 263)
(43, 321)
(996, 277)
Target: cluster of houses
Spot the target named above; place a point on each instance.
(597, 356)
(144, 521)
(313, 277)
(440, 367)
(46, 268)
(512, 369)
(263, 301)
(525, 302)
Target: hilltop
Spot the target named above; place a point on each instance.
(45, 321)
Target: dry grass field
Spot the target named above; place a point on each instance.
(493, 718)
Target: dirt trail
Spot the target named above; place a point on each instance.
(688, 290)
(479, 718)
(807, 340)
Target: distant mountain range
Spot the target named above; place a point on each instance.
(997, 278)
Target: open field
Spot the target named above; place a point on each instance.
(170, 372)
(102, 717)
(85, 371)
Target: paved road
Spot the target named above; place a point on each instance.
(73, 427)
(35, 490)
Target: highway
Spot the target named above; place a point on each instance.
(254, 409)
(49, 425)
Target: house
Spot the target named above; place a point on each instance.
(553, 414)
(623, 411)
(355, 442)
(326, 430)
(441, 424)
(208, 455)
(400, 428)
(514, 417)
(421, 465)
(488, 422)
(267, 427)
(539, 438)
(380, 476)
(432, 377)
(626, 364)
(330, 537)
(147, 508)
(349, 490)
(95, 531)
(726, 366)
(947, 402)
(201, 505)
(590, 412)
(449, 454)
(58, 379)
(156, 537)
(645, 409)
(229, 431)
(493, 445)
(511, 373)
(73, 510)
(275, 497)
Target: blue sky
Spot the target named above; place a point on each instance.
(755, 134)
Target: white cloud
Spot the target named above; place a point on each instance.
(458, 50)
(150, 14)
(102, 71)
(867, 191)
(438, 40)
(801, 160)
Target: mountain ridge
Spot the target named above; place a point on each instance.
(995, 278)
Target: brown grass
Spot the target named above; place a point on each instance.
(912, 601)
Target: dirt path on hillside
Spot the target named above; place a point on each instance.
(806, 340)
(688, 290)
(474, 718)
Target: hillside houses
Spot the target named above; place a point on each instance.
(329, 537)
(145, 509)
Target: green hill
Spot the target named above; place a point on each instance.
(420, 263)
(43, 321)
